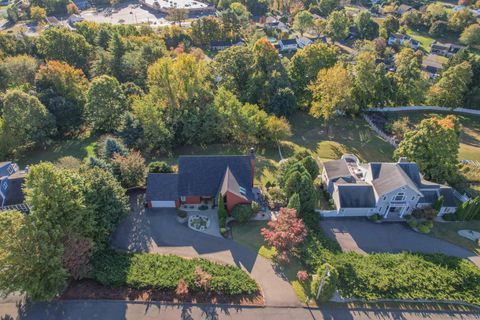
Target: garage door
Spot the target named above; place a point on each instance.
(163, 204)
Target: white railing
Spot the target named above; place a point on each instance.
(427, 108)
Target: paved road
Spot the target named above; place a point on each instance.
(113, 310)
(156, 230)
(365, 237)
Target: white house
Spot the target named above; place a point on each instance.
(288, 45)
(388, 189)
(402, 39)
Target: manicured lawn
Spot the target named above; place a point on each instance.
(469, 138)
(248, 234)
(448, 232)
(338, 136)
(80, 148)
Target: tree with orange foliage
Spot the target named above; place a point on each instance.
(433, 145)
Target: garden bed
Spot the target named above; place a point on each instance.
(90, 289)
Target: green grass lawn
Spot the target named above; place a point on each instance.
(448, 232)
(81, 147)
(248, 234)
(469, 138)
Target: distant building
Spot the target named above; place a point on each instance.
(11, 183)
(402, 9)
(288, 45)
(52, 21)
(191, 6)
(403, 39)
(445, 49)
(222, 45)
(433, 65)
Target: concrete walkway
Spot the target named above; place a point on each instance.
(113, 310)
(156, 230)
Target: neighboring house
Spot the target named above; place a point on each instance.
(273, 23)
(402, 9)
(74, 18)
(403, 39)
(433, 65)
(389, 189)
(11, 182)
(288, 45)
(222, 45)
(302, 42)
(52, 21)
(201, 180)
(445, 49)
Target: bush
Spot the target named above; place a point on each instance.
(329, 284)
(412, 223)
(242, 212)
(222, 213)
(109, 146)
(203, 207)
(425, 213)
(182, 214)
(425, 226)
(450, 217)
(164, 272)
(159, 167)
(255, 207)
(375, 217)
(407, 276)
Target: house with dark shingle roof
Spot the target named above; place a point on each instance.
(388, 189)
(11, 184)
(202, 180)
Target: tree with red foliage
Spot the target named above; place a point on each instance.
(285, 234)
(76, 255)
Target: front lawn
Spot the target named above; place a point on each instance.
(248, 234)
(448, 231)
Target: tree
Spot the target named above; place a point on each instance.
(106, 104)
(131, 169)
(112, 146)
(391, 24)
(332, 92)
(410, 81)
(205, 30)
(17, 71)
(337, 25)
(311, 165)
(38, 14)
(450, 90)
(285, 234)
(76, 255)
(62, 89)
(371, 87)
(242, 212)
(64, 45)
(277, 129)
(305, 65)
(303, 21)
(294, 203)
(433, 145)
(327, 6)
(329, 275)
(25, 123)
(116, 48)
(35, 260)
(412, 19)
(159, 167)
(177, 15)
(107, 199)
(367, 28)
(438, 28)
(461, 19)
(471, 35)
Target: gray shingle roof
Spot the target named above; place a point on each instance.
(388, 177)
(203, 175)
(428, 197)
(15, 192)
(354, 196)
(162, 186)
(336, 169)
(449, 199)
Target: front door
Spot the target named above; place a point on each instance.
(395, 212)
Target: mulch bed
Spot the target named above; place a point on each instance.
(89, 289)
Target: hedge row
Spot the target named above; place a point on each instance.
(163, 272)
(407, 276)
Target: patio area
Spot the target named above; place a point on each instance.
(211, 227)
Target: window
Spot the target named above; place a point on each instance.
(243, 192)
(413, 198)
(400, 196)
(183, 198)
(10, 170)
(5, 184)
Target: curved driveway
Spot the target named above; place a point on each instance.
(156, 230)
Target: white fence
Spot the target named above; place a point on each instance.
(427, 108)
(379, 131)
(327, 213)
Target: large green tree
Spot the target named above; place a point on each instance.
(337, 25)
(62, 90)
(25, 123)
(64, 45)
(433, 145)
(450, 90)
(17, 71)
(471, 35)
(303, 21)
(366, 26)
(106, 104)
(410, 80)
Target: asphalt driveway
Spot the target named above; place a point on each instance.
(362, 236)
(157, 230)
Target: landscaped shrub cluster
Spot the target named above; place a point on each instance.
(242, 212)
(421, 226)
(469, 210)
(407, 276)
(164, 272)
(330, 281)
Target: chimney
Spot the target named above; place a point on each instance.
(252, 163)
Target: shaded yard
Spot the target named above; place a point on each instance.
(448, 232)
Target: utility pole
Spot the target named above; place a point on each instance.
(325, 273)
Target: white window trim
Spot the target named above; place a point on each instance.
(402, 194)
(183, 198)
(5, 184)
